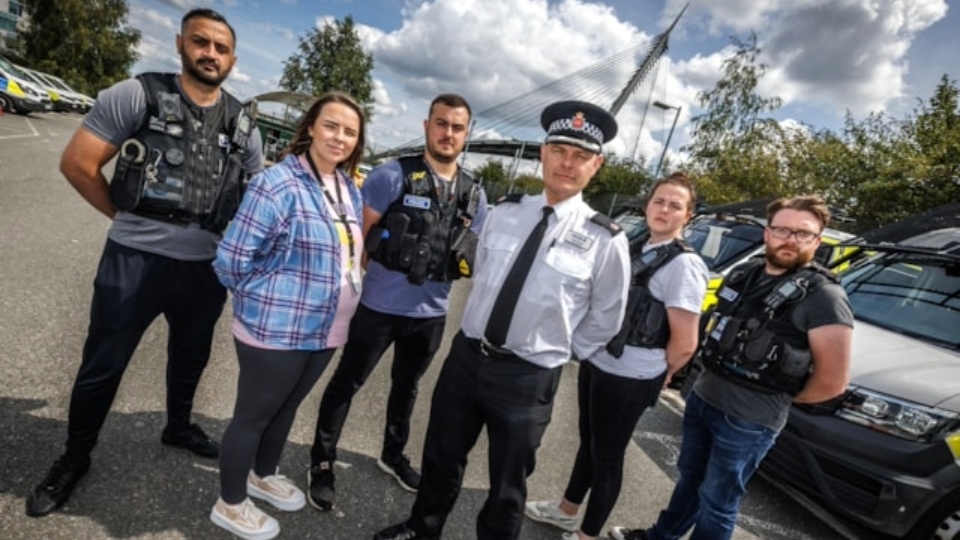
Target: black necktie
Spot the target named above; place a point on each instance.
(506, 303)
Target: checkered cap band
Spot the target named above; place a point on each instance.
(566, 124)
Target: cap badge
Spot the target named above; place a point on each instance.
(577, 121)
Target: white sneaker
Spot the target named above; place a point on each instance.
(549, 512)
(277, 490)
(244, 520)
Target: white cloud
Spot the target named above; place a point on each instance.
(846, 54)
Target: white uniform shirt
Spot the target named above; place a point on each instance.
(575, 294)
(681, 283)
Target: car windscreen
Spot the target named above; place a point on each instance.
(723, 242)
(911, 295)
(633, 224)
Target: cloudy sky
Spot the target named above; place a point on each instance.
(825, 57)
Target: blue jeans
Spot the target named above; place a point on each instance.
(718, 456)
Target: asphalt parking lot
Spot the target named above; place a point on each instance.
(50, 241)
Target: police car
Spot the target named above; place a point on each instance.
(886, 453)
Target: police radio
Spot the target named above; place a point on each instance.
(790, 290)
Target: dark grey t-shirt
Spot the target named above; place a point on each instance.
(115, 117)
(825, 306)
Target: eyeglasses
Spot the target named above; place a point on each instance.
(783, 233)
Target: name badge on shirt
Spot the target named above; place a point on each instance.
(223, 140)
(578, 239)
(727, 294)
(416, 201)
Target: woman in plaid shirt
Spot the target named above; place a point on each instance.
(291, 258)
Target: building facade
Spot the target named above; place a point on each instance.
(12, 18)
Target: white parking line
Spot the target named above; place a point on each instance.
(17, 132)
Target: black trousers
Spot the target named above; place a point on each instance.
(610, 407)
(270, 388)
(513, 399)
(131, 289)
(415, 342)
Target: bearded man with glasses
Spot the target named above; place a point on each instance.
(780, 333)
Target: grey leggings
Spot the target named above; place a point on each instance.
(271, 385)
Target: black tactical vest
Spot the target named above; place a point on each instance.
(417, 231)
(645, 322)
(750, 338)
(172, 168)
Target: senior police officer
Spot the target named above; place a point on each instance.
(419, 213)
(183, 145)
(551, 281)
(781, 332)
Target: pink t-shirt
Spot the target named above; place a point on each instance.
(349, 297)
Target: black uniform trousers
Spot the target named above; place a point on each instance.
(513, 399)
(415, 342)
(131, 289)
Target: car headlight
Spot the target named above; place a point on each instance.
(896, 417)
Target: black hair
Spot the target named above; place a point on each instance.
(206, 13)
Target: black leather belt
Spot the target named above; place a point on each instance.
(491, 351)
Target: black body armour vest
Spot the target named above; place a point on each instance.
(750, 338)
(645, 322)
(417, 231)
(172, 168)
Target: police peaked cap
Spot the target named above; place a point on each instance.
(578, 123)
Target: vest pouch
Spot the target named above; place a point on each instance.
(374, 239)
(651, 324)
(795, 362)
(127, 184)
(420, 263)
(408, 246)
(397, 225)
(727, 331)
(758, 348)
(617, 344)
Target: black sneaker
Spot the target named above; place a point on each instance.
(402, 531)
(56, 488)
(320, 479)
(193, 439)
(407, 476)
(623, 533)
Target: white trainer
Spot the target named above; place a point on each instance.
(277, 490)
(549, 512)
(244, 520)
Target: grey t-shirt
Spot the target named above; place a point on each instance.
(115, 117)
(827, 305)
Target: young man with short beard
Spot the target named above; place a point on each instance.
(781, 333)
(176, 135)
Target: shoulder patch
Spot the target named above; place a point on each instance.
(607, 223)
(511, 198)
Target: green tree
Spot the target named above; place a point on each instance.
(86, 42)
(332, 58)
(736, 148)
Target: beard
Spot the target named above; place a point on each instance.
(195, 70)
(441, 156)
(788, 262)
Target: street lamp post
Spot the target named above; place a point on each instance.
(661, 105)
